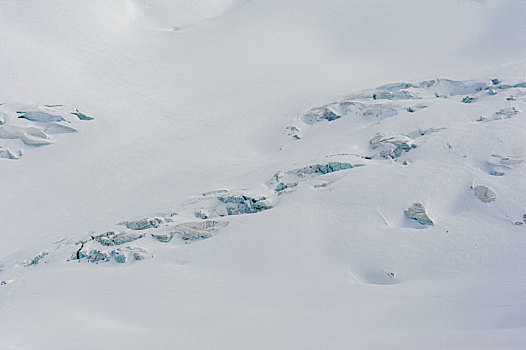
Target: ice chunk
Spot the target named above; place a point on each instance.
(35, 260)
(111, 238)
(322, 168)
(415, 108)
(193, 231)
(241, 204)
(506, 112)
(318, 114)
(485, 194)
(81, 115)
(137, 253)
(391, 146)
(418, 212)
(397, 86)
(119, 256)
(468, 99)
(96, 256)
(143, 224)
(163, 237)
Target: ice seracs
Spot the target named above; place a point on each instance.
(283, 180)
(369, 109)
(389, 100)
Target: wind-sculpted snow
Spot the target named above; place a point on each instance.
(27, 126)
(498, 165)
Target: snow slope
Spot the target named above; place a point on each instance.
(276, 100)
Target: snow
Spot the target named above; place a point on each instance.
(227, 193)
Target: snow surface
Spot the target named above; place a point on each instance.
(245, 180)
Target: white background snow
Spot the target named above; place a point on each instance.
(191, 96)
